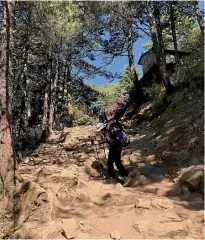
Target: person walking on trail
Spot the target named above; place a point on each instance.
(102, 118)
(95, 109)
(115, 142)
(120, 99)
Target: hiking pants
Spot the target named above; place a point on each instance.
(95, 115)
(114, 156)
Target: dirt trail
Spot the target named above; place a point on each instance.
(72, 200)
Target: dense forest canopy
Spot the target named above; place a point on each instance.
(48, 50)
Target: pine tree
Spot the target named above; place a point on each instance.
(7, 154)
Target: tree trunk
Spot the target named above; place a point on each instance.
(139, 95)
(153, 31)
(69, 98)
(174, 37)
(7, 156)
(47, 106)
(130, 45)
(62, 95)
(165, 78)
(63, 83)
(199, 17)
(44, 134)
(23, 122)
(25, 111)
(54, 76)
(158, 44)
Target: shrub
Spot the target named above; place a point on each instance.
(159, 98)
(191, 74)
(76, 112)
(84, 119)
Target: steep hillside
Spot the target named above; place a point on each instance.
(178, 138)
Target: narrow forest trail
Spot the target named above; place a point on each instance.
(69, 198)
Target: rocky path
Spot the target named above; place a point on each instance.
(67, 196)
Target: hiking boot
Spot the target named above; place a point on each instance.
(122, 178)
(110, 181)
(126, 181)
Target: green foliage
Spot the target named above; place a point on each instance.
(191, 73)
(79, 117)
(107, 93)
(110, 92)
(125, 83)
(55, 42)
(191, 41)
(184, 22)
(147, 45)
(120, 19)
(182, 95)
(76, 112)
(66, 18)
(189, 77)
(84, 119)
(158, 96)
(28, 141)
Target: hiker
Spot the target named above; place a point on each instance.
(113, 134)
(120, 99)
(102, 118)
(95, 109)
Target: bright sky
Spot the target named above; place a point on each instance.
(119, 63)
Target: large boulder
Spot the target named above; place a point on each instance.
(133, 177)
(30, 197)
(125, 159)
(60, 229)
(126, 152)
(193, 179)
(81, 157)
(135, 157)
(93, 167)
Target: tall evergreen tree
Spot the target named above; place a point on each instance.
(158, 43)
(7, 154)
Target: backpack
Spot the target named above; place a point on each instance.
(116, 130)
(95, 107)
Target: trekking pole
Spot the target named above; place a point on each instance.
(96, 150)
(101, 168)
